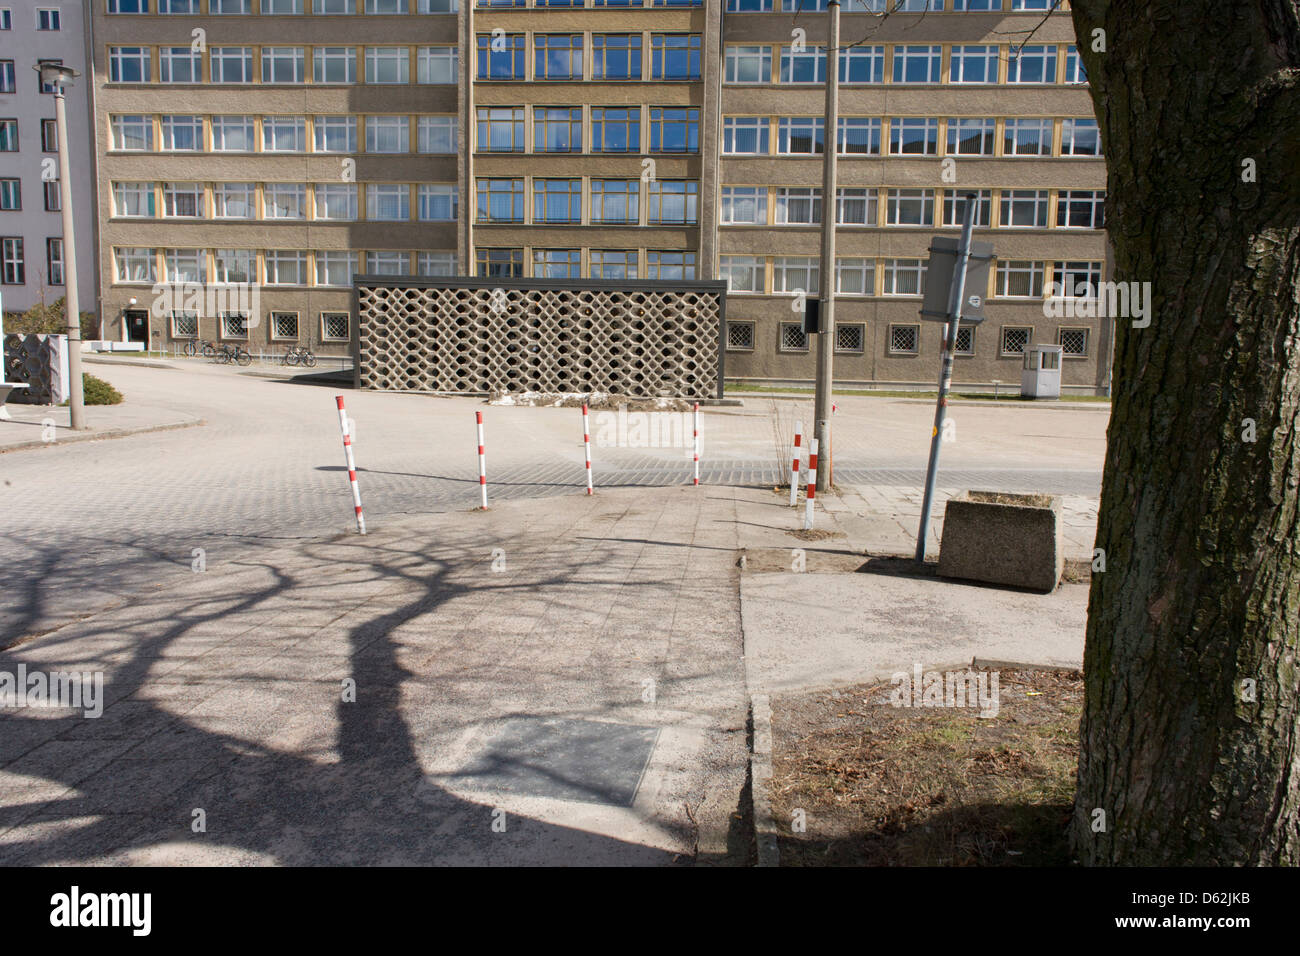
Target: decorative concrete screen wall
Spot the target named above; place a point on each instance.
(642, 339)
(42, 362)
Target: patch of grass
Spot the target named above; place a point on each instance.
(892, 786)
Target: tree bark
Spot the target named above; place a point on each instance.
(1201, 589)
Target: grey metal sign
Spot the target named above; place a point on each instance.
(938, 280)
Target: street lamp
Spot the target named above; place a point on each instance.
(55, 76)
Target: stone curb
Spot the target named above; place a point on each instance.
(139, 363)
(760, 772)
(97, 436)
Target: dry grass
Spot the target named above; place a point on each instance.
(888, 786)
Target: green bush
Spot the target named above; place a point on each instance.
(48, 320)
(99, 392)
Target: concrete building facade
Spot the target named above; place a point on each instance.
(293, 143)
(31, 225)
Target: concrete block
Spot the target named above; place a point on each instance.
(1003, 539)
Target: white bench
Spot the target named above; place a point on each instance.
(5, 389)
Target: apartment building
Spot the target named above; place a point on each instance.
(31, 224)
(291, 143)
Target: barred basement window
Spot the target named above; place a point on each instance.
(185, 325)
(1073, 342)
(965, 341)
(849, 338)
(334, 326)
(740, 336)
(1015, 339)
(792, 338)
(284, 325)
(904, 339)
(234, 325)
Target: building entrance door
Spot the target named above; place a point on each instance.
(137, 325)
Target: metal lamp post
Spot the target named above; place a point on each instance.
(57, 76)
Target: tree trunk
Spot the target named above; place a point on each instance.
(1189, 742)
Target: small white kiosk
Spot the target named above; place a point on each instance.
(1041, 375)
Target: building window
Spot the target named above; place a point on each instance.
(284, 201)
(742, 273)
(234, 201)
(803, 66)
(614, 264)
(388, 134)
(855, 276)
(615, 129)
(337, 201)
(974, 64)
(915, 137)
(186, 265)
(910, 207)
(675, 56)
(794, 274)
(615, 201)
(49, 136)
(501, 129)
(183, 201)
(231, 64)
(1080, 137)
(7, 19)
(182, 133)
(850, 338)
(1020, 279)
(557, 263)
(1014, 339)
(1033, 64)
(1024, 209)
(11, 194)
(438, 202)
(335, 134)
(188, 7)
(234, 325)
(740, 336)
(129, 64)
(135, 265)
(385, 6)
(557, 130)
(1073, 342)
(133, 133)
(53, 197)
(672, 202)
(388, 65)
(917, 64)
(670, 266)
(904, 339)
(438, 64)
(179, 64)
(185, 325)
(234, 265)
(1076, 280)
(862, 64)
(855, 206)
(557, 56)
(748, 64)
(859, 136)
(334, 64)
(8, 136)
(13, 270)
(904, 276)
(971, 137)
(286, 267)
(218, 7)
(335, 268)
(1081, 209)
(334, 6)
(283, 7)
(388, 202)
(436, 134)
(436, 264)
(284, 64)
(1074, 71)
(798, 205)
(557, 200)
(800, 136)
(233, 134)
(284, 325)
(744, 205)
(500, 200)
(1027, 137)
(674, 130)
(792, 338)
(335, 326)
(954, 204)
(745, 136)
(501, 58)
(499, 263)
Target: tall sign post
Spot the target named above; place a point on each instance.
(826, 327)
(954, 265)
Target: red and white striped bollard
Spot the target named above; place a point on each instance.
(586, 443)
(794, 468)
(482, 462)
(352, 467)
(812, 485)
(696, 437)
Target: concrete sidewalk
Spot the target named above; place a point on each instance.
(41, 426)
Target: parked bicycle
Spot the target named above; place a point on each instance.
(226, 354)
(299, 354)
(210, 349)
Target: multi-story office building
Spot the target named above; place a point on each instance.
(31, 225)
(294, 142)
